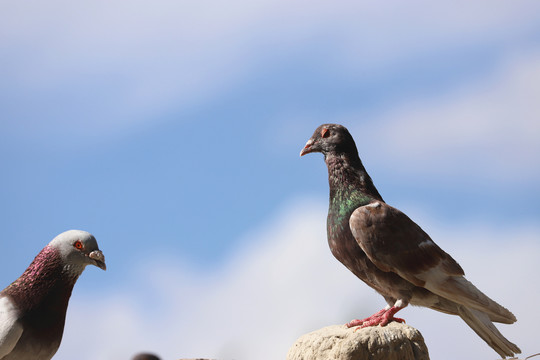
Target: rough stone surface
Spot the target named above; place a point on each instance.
(392, 342)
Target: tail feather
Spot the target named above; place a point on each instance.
(462, 291)
(483, 327)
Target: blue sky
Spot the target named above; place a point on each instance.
(171, 131)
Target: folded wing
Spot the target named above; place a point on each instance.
(393, 242)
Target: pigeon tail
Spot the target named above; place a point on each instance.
(462, 291)
(483, 327)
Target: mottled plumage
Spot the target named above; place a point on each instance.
(388, 251)
(33, 308)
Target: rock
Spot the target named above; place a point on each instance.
(392, 342)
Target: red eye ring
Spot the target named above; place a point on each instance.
(78, 245)
(325, 133)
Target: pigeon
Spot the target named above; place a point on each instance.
(33, 308)
(145, 356)
(389, 252)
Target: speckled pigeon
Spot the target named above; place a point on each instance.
(392, 254)
(33, 308)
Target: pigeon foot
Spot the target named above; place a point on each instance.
(382, 317)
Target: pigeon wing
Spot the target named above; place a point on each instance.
(10, 328)
(393, 242)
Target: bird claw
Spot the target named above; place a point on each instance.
(382, 318)
(399, 320)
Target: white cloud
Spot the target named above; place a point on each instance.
(491, 125)
(283, 283)
(99, 67)
(255, 306)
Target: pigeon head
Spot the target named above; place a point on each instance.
(330, 139)
(77, 249)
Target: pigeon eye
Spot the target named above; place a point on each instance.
(78, 245)
(325, 133)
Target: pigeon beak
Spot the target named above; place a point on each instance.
(307, 149)
(99, 259)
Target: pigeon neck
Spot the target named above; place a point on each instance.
(347, 173)
(46, 282)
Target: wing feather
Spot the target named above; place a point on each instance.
(393, 242)
(10, 328)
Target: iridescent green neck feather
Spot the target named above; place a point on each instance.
(348, 177)
(350, 187)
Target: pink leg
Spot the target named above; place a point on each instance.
(382, 318)
(389, 316)
(358, 322)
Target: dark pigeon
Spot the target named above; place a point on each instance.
(392, 254)
(33, 308)
(145, 356)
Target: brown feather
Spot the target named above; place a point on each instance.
(395, 243)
